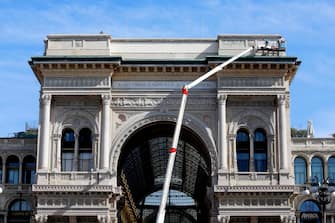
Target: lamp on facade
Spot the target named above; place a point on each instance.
(323, 193)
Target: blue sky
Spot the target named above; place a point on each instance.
(308, 26)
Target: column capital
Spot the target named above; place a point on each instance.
(281, 99)
(45, 98)
(287, 218)
(57, 136)
(222, 98)
(106, 99)
(223, 219)
(40, 218)
(102, 218)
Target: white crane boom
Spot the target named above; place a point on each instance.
(173, 150)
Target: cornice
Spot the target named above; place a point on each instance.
(254, 188)
(76, 188)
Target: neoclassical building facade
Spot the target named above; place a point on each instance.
(108, 108)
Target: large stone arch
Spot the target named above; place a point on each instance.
(141, 120)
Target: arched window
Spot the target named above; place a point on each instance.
(28, 170)
(19, 210)
(12, 170)
(260, 151)
(67, 153)
(300, 173)
(243, 150)
(331, 168)
(85, 150)
(317, 168)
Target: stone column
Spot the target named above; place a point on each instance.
(232, 139)
(251, 153)
(76, 152)
(3, 171)
(283, 132)
(271, 153)
(43, 149)
(95, 151)
(222, 132)
(105, 135)
(58, 147)
(20, 171)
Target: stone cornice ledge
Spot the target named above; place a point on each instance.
(254, 188)
(76, 188)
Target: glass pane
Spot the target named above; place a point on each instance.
(243, 162)
(67, 161)
(242, 150)
(309, 206)
(68, 138)
(331, 168)
(20, 205)
(85, 140)
(299, 171)
(85, 161)
(242, 136)
(28, 170)
(260, 136)
(260, 162)
(317, 168)
(12, 176)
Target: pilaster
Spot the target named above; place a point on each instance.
(43, 159)
(283, 133)
(105, 135)
(222, 136)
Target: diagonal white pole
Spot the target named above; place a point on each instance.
(173, 150)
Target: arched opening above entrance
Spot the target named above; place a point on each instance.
(141, 172)
(310, 212)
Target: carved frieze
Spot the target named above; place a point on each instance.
(263, 82)
(77, 82)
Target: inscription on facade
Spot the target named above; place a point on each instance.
(159, 85)
(149, 102)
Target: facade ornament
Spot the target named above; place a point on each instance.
(222, 98)
(45, 99)
(41, 218)
(310, 129)
(106, 99)
(223, 219)
(288, 218)
(281, 99)
(102, 218)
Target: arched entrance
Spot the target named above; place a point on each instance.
(310, 212)
(19, 211)
(141, 172)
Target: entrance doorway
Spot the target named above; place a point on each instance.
(141, 172)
